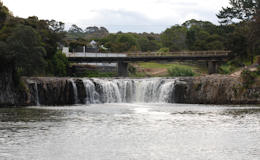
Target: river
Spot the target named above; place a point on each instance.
(130, 131)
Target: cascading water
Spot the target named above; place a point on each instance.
(154, 90)
(75, 91)
(91, 94)
(129, 90)
(108, 91)
(36, 94)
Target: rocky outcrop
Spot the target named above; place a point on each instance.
(81, 91)
(50, 91)
(215, 89)
(12, 92)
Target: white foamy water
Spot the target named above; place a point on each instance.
(131, 90)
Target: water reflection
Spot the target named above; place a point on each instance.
(130, 131)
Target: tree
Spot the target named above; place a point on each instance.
(49, 37)
(174, 38)
(31, 43)
(56, 26)
(4, 13)
(121, 42)
(24, 45)
(75, 29)
(246, 11)
(60, 64)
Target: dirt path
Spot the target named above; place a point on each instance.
(238, 73)
(158, 72)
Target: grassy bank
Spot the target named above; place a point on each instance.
(153, 69)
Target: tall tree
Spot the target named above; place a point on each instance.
(25, 46)
(4, 13)
(245, 11)
(174, 38)
(56, 26)
(75, 29)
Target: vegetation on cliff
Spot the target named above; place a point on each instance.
(31, 43)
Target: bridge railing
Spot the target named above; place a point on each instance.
(152, 54)
(97, 55)
(182, 53)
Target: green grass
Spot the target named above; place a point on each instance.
(196, 69)
(97, 74)
(138, 75)
(156, 65)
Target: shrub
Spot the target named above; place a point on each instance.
(178, 71)
(248, 77)
(131, 69)
(226, 69)
(59, 64)
(164, 50)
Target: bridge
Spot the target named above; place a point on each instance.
(122, 59)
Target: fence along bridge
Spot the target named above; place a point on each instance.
(122, 59)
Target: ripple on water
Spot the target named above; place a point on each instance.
(130, 131)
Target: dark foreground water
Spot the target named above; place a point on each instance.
(130, 132)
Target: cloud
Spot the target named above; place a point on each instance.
(120, 15)
(133, 21)
(125, 21)
(178, 3)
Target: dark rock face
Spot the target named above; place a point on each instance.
(51, 91)
(81, 91)
(180, 92)
(12, 93)
(215, 90)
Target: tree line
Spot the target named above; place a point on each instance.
(238, 31)
(33, 44)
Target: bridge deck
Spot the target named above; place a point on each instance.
(144, 57)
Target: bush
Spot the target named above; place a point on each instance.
(178, 71)
(248, 77)
(59, 64)
(164, 50)
(131, 69)
(226, 69)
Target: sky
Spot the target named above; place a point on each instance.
(119, 15)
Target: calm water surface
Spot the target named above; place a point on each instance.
(131, 132)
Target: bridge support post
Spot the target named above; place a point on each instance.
(212, 67)
(122, 69)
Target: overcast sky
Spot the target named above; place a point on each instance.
(119, 15)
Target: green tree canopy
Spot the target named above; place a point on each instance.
(244, 10)
(174, 38)
(4, 13)
(24, 45)
(75, 29)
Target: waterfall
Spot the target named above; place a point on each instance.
(109, 91)
(91, 93)
(166, 92)
(96, 90)
(129, 90)
(75, 91)
(36, 94)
